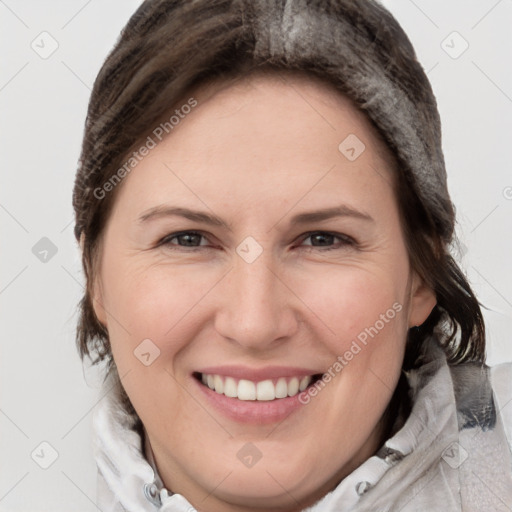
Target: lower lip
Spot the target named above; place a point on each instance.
(251, 411)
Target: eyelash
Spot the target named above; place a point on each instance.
(345, 240)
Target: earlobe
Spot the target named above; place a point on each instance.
(423, 301)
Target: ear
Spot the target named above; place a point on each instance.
(423, 300)
(96, 293)
(95, 290)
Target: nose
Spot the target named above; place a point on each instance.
(257, 309)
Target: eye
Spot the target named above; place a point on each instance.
(321, 240)
(183, 239)
(324, 240)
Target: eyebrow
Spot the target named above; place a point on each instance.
(174, 211)
(206, 218)
(329, 213)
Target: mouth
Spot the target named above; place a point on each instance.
(267, 390)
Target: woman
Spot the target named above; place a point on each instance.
(265, 226)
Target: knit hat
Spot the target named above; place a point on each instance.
(365, 50)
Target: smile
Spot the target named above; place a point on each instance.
(264, 390)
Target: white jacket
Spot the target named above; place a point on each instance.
(452, 454)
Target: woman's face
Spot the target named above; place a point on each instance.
(260, 243)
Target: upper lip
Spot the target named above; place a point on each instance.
(258, 374)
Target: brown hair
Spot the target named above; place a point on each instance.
(169, 47)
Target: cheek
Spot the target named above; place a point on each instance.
(353, 300)
(152, 316)
(156, 302)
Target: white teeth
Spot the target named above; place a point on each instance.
(293, 386)
(264, 390)
(230, 387)
(219, 384)
(304, 383)
(281, 388)
(246, 390)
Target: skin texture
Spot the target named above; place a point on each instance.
(255, 153)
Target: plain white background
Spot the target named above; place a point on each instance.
(45, 395)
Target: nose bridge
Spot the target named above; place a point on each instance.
(256, 309)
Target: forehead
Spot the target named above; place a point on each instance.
(291, 97)
(259, 135)
(292, 89)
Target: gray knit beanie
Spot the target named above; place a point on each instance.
(366, 51)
